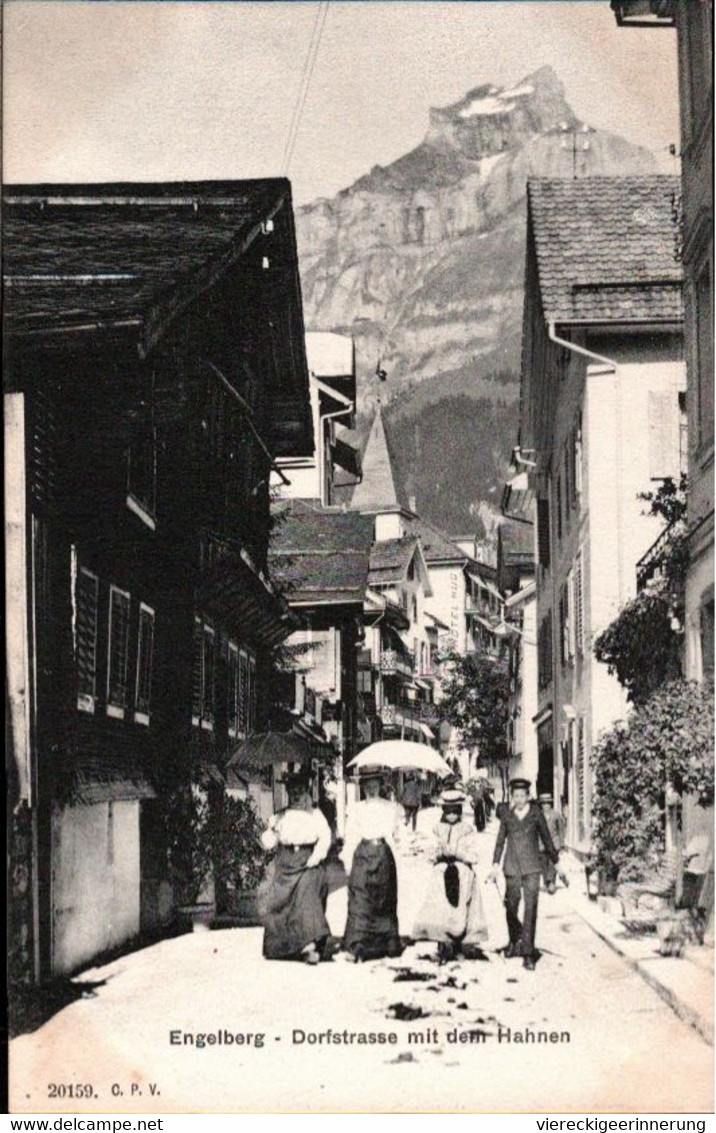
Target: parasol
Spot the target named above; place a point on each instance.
(401, 754)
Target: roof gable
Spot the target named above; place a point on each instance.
(606, 248)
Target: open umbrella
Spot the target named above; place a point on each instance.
(266, 748)
(401, 754)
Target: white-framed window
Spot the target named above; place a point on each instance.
(86, 607)
(117, 652)
(145, 664)
(204, 675)
(578, 460)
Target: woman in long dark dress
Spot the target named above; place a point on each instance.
(372, 922)
(292, 898)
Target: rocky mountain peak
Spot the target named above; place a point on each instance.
(422, 261)
(490, 120)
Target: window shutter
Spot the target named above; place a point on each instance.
(86, 603)
(579, 603)
(198, 671)
(243, 692)
(145, 658)
(571, 635)
(558, 506)
(209, 670)
(581, 779)
(251, 714)
(118, 648)
(233, 696)
(543, 532)
(663, 411)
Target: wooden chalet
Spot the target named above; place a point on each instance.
(155, 369)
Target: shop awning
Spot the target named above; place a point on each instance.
(428, 732)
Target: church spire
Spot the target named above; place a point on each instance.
(380, 487)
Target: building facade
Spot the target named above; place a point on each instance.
(142, 420)
(603, 381)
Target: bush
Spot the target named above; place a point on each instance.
(240, 859)
(667, 739)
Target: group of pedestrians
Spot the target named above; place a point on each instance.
(293, 895)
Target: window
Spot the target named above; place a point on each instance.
(683, 435)
(86, 616)
(565, 623)
(707, 641)
(142, 468)
(544, 651)
(145, 659)
(704, 356)
(697, 48)
(117, 652)
(567, 480)
(204, 675)
(543, 548)
(663, 411)
(578, 460)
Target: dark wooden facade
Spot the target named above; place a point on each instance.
(151, 421)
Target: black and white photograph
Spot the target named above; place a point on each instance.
(359, 551)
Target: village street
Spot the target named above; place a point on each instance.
(614, 1044)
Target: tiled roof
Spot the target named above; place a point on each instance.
(389, 559)
(516, 543)
(607, 248)
(436, 546)
(320, 554)
(75, 254)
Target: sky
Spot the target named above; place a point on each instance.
(151, 90)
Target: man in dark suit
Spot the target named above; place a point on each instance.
(522, 828)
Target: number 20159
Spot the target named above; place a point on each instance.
(70, 1090)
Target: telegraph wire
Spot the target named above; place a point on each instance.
(306, 77)
(297, 103)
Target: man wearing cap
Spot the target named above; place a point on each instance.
(556, 829)
(452, 912)
(522, 828)
(292, 897)
(371, 829)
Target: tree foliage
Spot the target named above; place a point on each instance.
(666, 739)
(475, 689)
(642, 646)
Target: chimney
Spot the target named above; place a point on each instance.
(411, 503)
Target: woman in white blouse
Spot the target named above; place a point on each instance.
(292, 898)
(371, 830)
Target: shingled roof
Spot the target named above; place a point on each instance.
(607, 248)
(389, 560)
(320, 554)
(436, 546)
